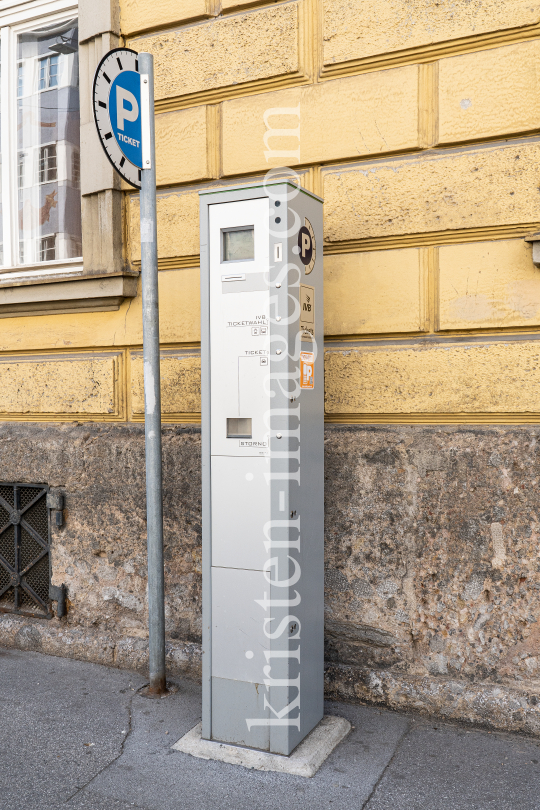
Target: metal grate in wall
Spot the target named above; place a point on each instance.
(24, 550)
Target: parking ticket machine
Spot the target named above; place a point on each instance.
(263, 484)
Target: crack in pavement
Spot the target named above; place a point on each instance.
(122, 746)
(390, 761)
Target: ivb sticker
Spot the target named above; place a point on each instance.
(307, 308)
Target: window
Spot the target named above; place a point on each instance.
(2, 125)
(76, 168)
(48, 72)
(40, 200)
(20, 169)
(47, 252)
(47, 163)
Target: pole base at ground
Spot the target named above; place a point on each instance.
(157, 689)
(305, 760)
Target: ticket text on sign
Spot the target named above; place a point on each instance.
(307, 365)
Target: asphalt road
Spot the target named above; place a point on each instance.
(76, 736)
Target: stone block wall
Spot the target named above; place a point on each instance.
(432, 560)
(433, 570)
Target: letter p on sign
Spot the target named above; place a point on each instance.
(122, 112)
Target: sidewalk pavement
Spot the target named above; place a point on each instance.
(77, 736)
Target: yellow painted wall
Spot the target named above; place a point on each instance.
(182, 155)
(231, 50)
(397, 283)
(490, 285)
(441, 191)
(180, 384)
(177, 224)
(418, 123)
(55, 385)
(357, 29)
(179, 321)
(490, 93)
(363, 116)
(136, 16)
(475, 378)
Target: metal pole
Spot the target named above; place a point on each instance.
(152, 388)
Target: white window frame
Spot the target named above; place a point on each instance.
(15, 18)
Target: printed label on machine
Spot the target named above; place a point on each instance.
(257, 322)
(307, 308)
(307, 370)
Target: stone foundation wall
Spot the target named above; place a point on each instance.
(432, 555)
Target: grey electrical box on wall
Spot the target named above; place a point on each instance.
(263, 482)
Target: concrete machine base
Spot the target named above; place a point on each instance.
(305, 760)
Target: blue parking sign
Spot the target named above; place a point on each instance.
(125, 114)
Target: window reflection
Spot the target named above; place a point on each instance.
(1, 157)
(48, 159)
(48, 72)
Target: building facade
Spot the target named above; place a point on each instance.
(418, 122)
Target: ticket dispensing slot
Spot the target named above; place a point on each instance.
(238, 428)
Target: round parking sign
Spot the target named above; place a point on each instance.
(117, 112)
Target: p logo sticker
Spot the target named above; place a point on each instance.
(306, 246)
(307, 370)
